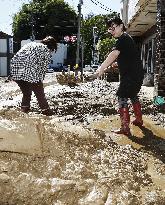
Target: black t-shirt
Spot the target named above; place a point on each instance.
(129, 62)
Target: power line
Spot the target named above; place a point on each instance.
(106, 9)
(98, 5)
(103, 5)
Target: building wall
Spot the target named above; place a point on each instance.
(3, 57)
(6, 50)
(152, 43)
(60, 55)
(148, 55)
(3, 66)
(143, 28)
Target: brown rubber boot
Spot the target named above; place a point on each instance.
(47, 112)
(138, 114)
(25, 109)
(125, 121)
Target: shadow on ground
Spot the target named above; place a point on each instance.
(151, 142)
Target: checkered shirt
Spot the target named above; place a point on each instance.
(30, 63)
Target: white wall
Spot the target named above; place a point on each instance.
(3, 66)
(3, 45)
(4, 59)
(23, 42)
(60, 55)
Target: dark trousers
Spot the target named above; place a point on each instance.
(37, 88)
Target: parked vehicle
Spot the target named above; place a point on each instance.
(50, 69)
(87, 68)
(61, 68)
(94, 67)
(65, 68)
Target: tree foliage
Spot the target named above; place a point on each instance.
(87, 33)
(105, 47)
(45, 17)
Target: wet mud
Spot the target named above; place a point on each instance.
(80, 161)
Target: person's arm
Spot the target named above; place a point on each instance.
(105, 65)
(108, 61)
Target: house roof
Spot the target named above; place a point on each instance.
(4, 35)
(144, 18)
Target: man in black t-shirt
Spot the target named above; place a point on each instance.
(131, 73)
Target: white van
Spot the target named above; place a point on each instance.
(87, 68)
(94, 67)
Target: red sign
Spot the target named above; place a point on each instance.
(73, 38)
(70, 38)
(67, 38)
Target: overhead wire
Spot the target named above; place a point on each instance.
(102, 5)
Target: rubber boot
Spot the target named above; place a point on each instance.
(138, 114)
(125, 121)
(47, 112)
(25, 109)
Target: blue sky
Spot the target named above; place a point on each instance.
(10, 7)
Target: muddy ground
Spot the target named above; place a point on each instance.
(77, 160)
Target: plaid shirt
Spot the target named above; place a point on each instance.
(30, 63)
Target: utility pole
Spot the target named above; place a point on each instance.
(82, 56)
(95, 50)
(32, 26)
(78, 37)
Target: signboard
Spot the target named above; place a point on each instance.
(67, 38)
(70, 38)
(73, 38)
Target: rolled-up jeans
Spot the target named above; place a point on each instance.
(37, 88)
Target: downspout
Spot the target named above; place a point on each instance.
(157, 49)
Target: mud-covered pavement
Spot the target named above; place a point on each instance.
(72, 158)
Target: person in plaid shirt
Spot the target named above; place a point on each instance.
(28, 69)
